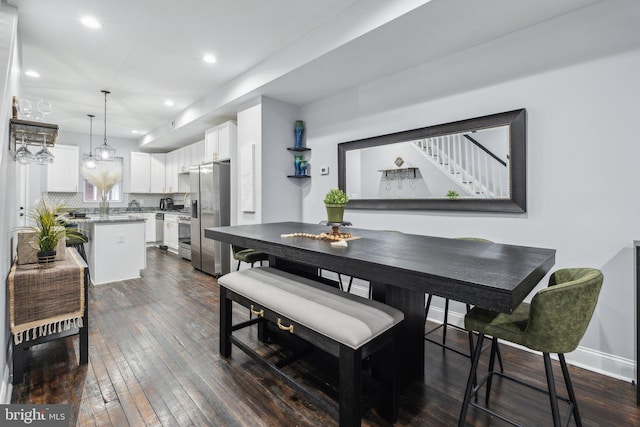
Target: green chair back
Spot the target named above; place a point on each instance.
(559, 314)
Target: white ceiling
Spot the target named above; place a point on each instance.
(297, 51)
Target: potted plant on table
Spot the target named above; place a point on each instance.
(335, 202)
(49, 230)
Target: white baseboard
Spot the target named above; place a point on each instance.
(586, 358)
(6, 388)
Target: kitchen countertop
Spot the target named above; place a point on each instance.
(110, 219)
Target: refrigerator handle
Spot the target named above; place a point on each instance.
(194, 208)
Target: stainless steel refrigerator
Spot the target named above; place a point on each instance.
(210, 185)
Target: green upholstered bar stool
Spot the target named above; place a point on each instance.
(250, 256)
(446, 323)
(554, 322)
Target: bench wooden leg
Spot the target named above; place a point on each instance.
(225, 323)
(84, 342)
(350, 373)
(18, 364)
(385, 371)
(84, 331)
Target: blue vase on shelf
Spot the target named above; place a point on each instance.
(303, 168)
(297, 162)
(299, 130)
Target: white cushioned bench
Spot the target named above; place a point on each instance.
(346, 326)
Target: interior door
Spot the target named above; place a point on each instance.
(22, 183)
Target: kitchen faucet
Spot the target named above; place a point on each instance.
(184, 201)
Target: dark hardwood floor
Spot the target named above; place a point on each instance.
(153, 360)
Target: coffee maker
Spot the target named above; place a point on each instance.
(166, 204)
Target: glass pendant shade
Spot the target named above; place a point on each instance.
(88, 161)
(105, 152)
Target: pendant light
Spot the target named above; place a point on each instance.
(105, 152)
(89, 161)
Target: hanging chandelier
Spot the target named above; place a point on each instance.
(88, 160)
(105, 152)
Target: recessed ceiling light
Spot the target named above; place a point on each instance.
(168, 103)
(135, 131)
(32, 73)
(91, 22)
(209, 59)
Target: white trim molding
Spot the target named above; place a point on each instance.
(6, 388)
(592, 360)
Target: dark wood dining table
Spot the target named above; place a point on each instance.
(402, 267)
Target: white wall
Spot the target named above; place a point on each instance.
(278, 121)
(10, 70)
(250, 133)
(430, 180)
(582, 154)
(268, 124)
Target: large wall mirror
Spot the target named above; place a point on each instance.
(477, 164)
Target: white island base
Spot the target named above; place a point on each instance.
(116, 249)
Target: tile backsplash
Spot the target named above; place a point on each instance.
(75, 201)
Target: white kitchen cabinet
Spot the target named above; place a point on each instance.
(150, 227)
(197, 153)
(115, 250)
(158, 172)
(140, 173)
(210, 145)
(171, 232)
(171, 168)
(147, 173)
(227, 136)
(63, 175)
(184, 159)
(219, 140)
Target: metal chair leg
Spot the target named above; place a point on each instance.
(350, 283)
(572, 396)
(553, 398)
(426, 310)
(446, 321)
(470, 381)
(492, 360)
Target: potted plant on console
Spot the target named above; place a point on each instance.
(335, 202)
(49, 232)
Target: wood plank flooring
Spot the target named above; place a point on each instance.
(153, 360)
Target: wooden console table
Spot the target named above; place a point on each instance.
(47, 304)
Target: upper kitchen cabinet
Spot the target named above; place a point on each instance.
(140, 177)
(184, 159)
(147, 173)
(171, 178)
(158, 173)
(197, 153)
(219, 140)
(63, 175)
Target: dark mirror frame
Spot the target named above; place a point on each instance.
(517, 203)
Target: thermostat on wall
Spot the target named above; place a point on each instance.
(324, 170)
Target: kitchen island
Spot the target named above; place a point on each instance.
(116, 249)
